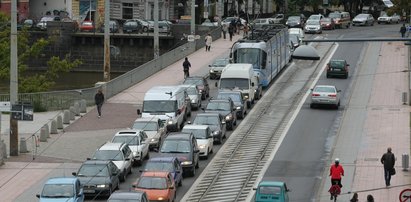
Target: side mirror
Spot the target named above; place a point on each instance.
(134, 185)
(171, 187)
(196, 151)
(216, 85)
(177, 171)
(252, 84)
(178, 111)
(138, 112)
(38, 195)
(127, 159)
(288, 190)
(74, 173)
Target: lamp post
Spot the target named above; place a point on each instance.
(107, 67)
(13, 79)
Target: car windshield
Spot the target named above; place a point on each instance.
(123, 200)
(45, 19)
(361, 16)
(114, 155)
(159, 106)
(93, 170)
(131, 23)
(234, 97)
(269, 190)
(146, 126)
(334, 15)
(206, 120)
(294, 18)
(152, 183)
(218, 106)
(128, 139)
(248, 55)
(313, 22)
(193, 81)
(220, 63)
(326, 20)
(159, 166)
(294, 38)
(192, 91)
(314, 17)
(58, 191)
(324, 89)
(232, 83)
(175, 146)
(198, 133)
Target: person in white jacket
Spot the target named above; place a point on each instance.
(208, 40)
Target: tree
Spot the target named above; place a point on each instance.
(28, 50)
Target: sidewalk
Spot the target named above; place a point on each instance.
(386, 123)
(86, 133)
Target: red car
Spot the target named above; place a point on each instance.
(87, 26)
(328, 23)
(158, 185)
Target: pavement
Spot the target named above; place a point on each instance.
(386, 124)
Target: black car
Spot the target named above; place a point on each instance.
(184, 147)
(295, 21)
(98, 177)
(226, 108)
(201, 84)
(132, 26)
(337, 68)
(217, 67)
(238, 99)
(216, 123)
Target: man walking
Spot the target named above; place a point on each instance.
(231, 31)
(224, 28)
(208, 40)
(99, 100)
(388, 159)
(403, 29)
(186, 67)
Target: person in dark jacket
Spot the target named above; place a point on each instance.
(99, 100)
(388, 159)
(231, 31)
(354, 197)
(370, 198)
(403, 29)
(186, 68)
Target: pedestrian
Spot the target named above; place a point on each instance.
(336, 171)
(234, 24)
(238, 23)
(388, 159)
(403, 29)
(245, 29)
(186, 68)
(99, 100)
(208, 40)
(224, 28)
(370, 198)
(354, 197)
(231, 31)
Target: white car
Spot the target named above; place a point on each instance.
(325, 95)
(388, 19)
(313, 26)
(136, 139)
(204, 138)
(119, 153)
(154, 128)
(297, 31)
(229, 19)
(195, 96)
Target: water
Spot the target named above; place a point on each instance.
(67, 81)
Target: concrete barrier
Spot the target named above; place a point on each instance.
(66, 117)
(83, 106)
(3, 152)
(23, 145)
(47, 130)
(72, 113)
(60, 122)
(76, 108)
(43, 135)
(53, 127)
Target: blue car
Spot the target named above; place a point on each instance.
(64, 189)
(169, 164)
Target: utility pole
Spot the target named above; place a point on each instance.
(14, 133)
(193, 12)
(107, 67)
(156, 39)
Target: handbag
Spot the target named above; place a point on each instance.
(392, 171)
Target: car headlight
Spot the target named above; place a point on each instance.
(160, 198)
(202, 146)
(211, 71)
(193, 101)
(246, 96)
(170, 122)
(216, 132)
(135, 153)
(201, 90)
(186, 163)
(238, 108)
(228, 117)
(153, 140)
(102, 185)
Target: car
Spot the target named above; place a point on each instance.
(154, 128)
(137, 141)
(42, 24)
(119, 153)
(384, 18)
(313, 26)
(164, 27)
(337, 68)
(341, 19)
(204, 138)
(240, 102)
(159, 186)
(128, 196)
(184, 147)
(133, 26)
(325, 95)
(226, 108)
(146, 26)
(263, 21)
(195, 96)
(318, 17)
(167, 164)
(267, 189)
(113, 25)
(28, 24)
(87, 26)
(327, 23)
(208, 23)
(62, 189)
(295, 22)
(201, 84)
(98, 177)
(217, 67)
(363, 19)
(297, 31)
(216, 123)
(279, 18)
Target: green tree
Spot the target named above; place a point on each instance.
(400, 7)
(28, 50)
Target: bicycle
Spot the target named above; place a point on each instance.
(335, 190)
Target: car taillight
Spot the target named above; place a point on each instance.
(328, 67)
(315, 94)
(332, 95)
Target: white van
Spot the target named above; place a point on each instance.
(240, 76)
(167, 103)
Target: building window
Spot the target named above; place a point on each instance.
(127, 11)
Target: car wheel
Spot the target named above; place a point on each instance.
(211, 151)
(145, 29)
(147, 156)
(311, 105)
(345, 76)
(203, 97)
(208, 93)
(379, 22)
(220, 140)
(123, 176)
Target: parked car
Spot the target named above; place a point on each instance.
(98, 178)
(154, 128)
(295, 22)
(240, 102)
(208, 23)
(114, 27)
(279, 18)
(159, 186)
(226, 108)
(28, 24)
(337, 68)
(388, 19)
(195, 96)
(128, 196)
(327, 23)
(325, 95)
(217, 67)
(119, 153)
(132, 26)
(201, 84)
(87, 26)
(342, 19)
(184, 147)
(146, 26)
(263, 21)
(62, 189)
(318, 17)
(42, 24)
(136, 141)
(166, 164)
(164, 27)
(363, 19)
(297, 31)
(313, 26)
(216, 123)
(271, 191)
(204, 138)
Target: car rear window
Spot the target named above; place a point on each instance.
(337, 64)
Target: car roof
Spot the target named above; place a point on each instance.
(271, 183)
(194, 126)
(132, 194)
(145, 119)
(96, 162)
(163, 159)
(328, 86)
(179, 135)
(219, 100)
(154, 174)
(224, 91)
(128, 132)
(111, 146)
(61, 180)
(194, 77)
(209, 114)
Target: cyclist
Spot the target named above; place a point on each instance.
(186, 67)
(336, 172)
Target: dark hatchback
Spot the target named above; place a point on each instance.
(216, 123)
(132, 26)
(201, 84)
(226, 108)
(337, 68)
(295, 21)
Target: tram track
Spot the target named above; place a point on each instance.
(231, 175)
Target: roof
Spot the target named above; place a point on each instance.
(271, 183)
(162, 92)
(133, 194)
(154, 174)
(129, 132)
(111, 146)
(194, 126)
(209, 114)
(162, 159)
(95, 162)
(178, 135)
(219, 100)
(61, 180)
(145, 119)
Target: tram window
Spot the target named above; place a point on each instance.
(264, 60)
